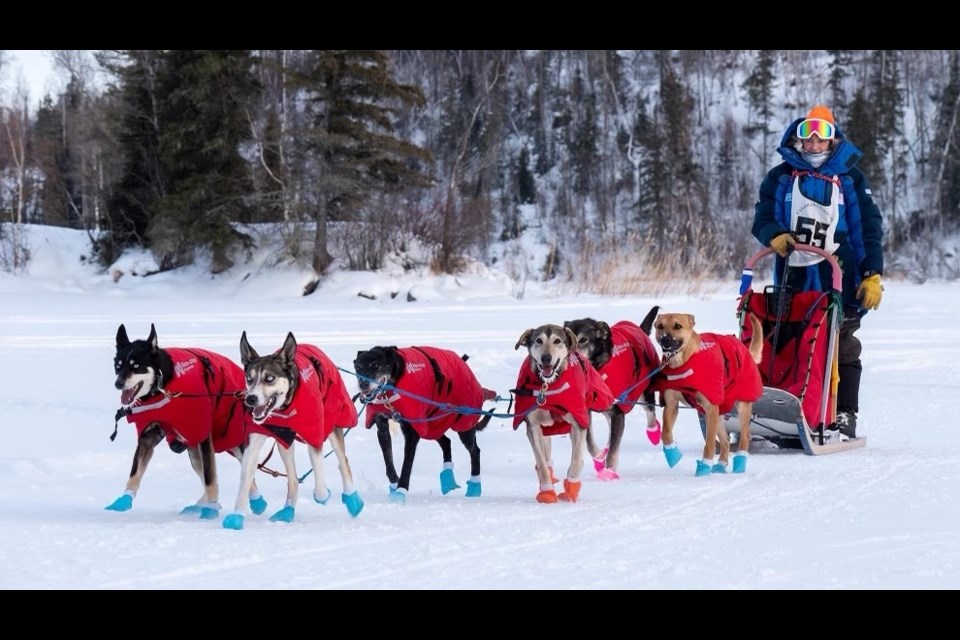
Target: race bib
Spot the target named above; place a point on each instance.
(813, 223)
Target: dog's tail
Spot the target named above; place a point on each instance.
(756, 339)
(488, 394)
(647, 324)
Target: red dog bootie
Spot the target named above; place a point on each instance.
(571, 491)
(547, 496)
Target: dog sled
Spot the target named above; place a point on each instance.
(799, 366)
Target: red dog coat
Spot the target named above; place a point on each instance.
(208, 403)
(432, 377)
(577, 391)
(632, 359)
(320, 403)
(722, 370)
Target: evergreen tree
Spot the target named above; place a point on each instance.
(355, 103)
(140, 183)
(206, 96)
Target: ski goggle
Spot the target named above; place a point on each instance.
(822, 128)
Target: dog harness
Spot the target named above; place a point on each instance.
(433, 381)
(631, 362)
(320, 403)
(201, 399)
(722, 370)
(578, 390)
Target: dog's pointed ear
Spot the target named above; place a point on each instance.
(289, 349)
(152, 338)
(247, 353)
(572, 339)
(693, 320)
(604, 330)
(524, 340)
(122, 339)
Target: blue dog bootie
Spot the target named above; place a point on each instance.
(123, 503)
(720, 467)
(258, 504)
(703, 468)
(473, 487)
(447, 481)
(672, 454)
(740, 462)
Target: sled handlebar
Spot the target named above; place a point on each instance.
(806, 248)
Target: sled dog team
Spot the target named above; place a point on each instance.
(203, 403)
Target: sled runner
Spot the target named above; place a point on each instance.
(799, 366)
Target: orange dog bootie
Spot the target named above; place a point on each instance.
(571, 491)
(547, 496)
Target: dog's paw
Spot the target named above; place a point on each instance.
(398, 496)
(258, 505)
(740, 463)
(324, 499)
(672, 454)
(447, 481)
(703, 468)
(720, 467)
(606, 475)
(233, 521)
(123, 503)
(547, 496)
(473, 489)
(653, 433)
(571, 491)
(284, 515)
(353, 502)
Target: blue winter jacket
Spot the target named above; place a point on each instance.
(860, 228)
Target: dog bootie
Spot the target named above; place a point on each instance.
(703, 468)
(720, 467)
(233, 521)
(571, 490)
(473, 489)
(447, 482)
(353, 502)
(206, 510)
(672, 454)
(258, 505)
(600, 461)
(607, 474)
(740, 463)
(123, 503)
(325, 498)
(398, 496)
(284, 515)
(547, 496)
(653, 433)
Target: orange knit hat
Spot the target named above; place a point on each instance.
(822, 112)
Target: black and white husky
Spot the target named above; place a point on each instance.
(293, 394)
(188, 396)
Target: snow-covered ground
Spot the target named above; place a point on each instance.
(883, 517)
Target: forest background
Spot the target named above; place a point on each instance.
(601, 170)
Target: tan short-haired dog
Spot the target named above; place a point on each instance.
(712, 373)
(556, 390)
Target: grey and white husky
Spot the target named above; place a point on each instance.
(294, 394)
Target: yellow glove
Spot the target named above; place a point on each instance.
(870, 292)
(783, 244)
